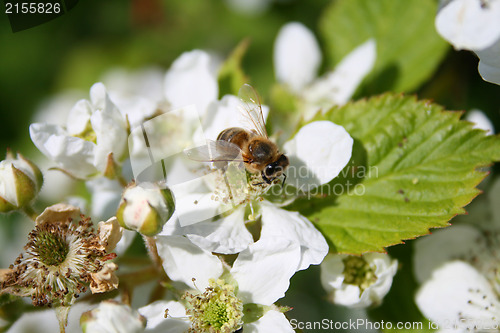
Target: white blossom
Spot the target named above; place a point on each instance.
(358, 282)
(473, 25)
(459, 297)
(260, 274)
(458, 271)
(296, 61)
(94, 130)
(192, 80)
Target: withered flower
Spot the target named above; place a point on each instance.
(64, 256)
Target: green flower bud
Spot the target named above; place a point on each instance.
(145, 208)
(20, 182)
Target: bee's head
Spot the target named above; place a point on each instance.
(275, 169)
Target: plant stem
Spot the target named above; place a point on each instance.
(30, 212)
(153, 254)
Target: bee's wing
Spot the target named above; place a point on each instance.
(215, 151)
(252, 109)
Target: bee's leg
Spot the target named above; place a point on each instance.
(284, 179)
(266, 180)
(229, 189)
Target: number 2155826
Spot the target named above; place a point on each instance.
(32, 8)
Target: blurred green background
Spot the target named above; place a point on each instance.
(74, 50)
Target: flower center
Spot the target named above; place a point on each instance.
(216, 310)
(51, 248)
(358, 272)
(215, 314)
(88, 134)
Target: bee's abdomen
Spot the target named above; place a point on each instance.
(235, 135)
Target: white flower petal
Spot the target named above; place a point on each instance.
(79, 117)
(70, 153)
(156, 321)
(8, 183)
(385, 269)
(489, 63)
(331, 272)
(467, 24)
(183, 261)
(264, 269)
(332, 279)
(349, 295)
(317, 154)
(225, 235)
(54, 110)
(277, 222)
(493, 195)
(136, 108)
(191, 80)
(31, 321)
(146, 82)
(337, 87)
(221, 115)
(110, 317)
(296, 56)
(224, 114)
(195, 207)
(137, 93)
(56, 184)
(106, 195)
(456, 292)
(480, 121)
(127, 238)
(109, 127)
(457, 241)
(271, 322)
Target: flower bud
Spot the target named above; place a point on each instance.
(145, 208)
(20, 181)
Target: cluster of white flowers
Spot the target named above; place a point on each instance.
(473, 25)
(234, 261)
(458, 270)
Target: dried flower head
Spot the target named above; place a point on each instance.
(63, 257)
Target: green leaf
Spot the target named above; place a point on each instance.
(408, 46)
(414, 166)
(231, 75)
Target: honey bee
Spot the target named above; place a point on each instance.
(251, 146)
